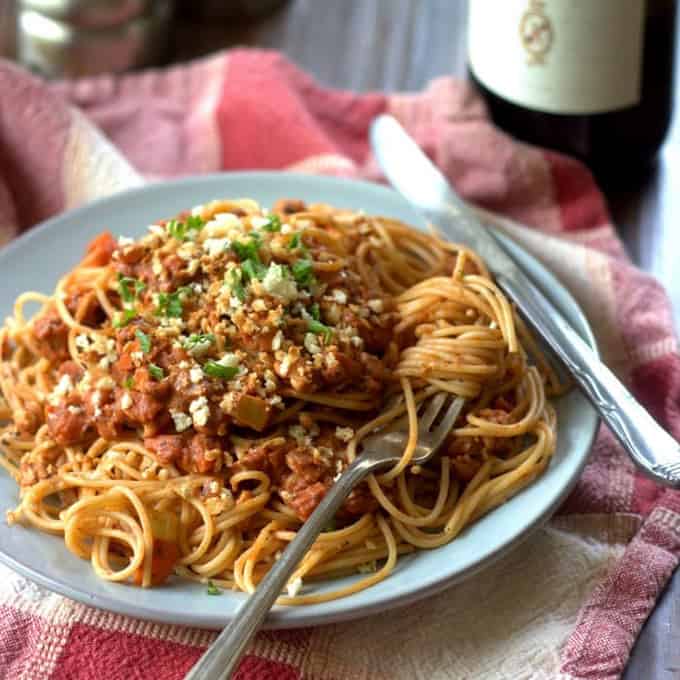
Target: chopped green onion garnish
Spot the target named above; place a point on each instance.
(129, 288)
(213, 589)
(314, 312)
(217, 370)
(156, 372)
(144, 341)
(320, 329)
(198, 342)
(303, 272)
(183, 231)
(248, 250)
(128, 383)
(274, 223)
(123, 318)
(170, 304)
(235, 284)
(253, 269)
(295, 241)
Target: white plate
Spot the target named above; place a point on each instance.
(35, 262)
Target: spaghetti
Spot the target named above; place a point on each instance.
(183, 401)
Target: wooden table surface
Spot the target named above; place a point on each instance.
(400, 45)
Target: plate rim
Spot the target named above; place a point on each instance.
(278, 618)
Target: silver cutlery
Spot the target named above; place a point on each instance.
(414, 176)
(380, 450)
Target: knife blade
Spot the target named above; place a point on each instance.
(416, 178)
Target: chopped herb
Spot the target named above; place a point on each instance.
(217, 370)
(129, 288)
(198, 342)
(235, 284)
(314, 312)
(248, 250)
(156, 372)
(213, 589)
(296, 242)
(123, 318)
(128, 383)
(170, 304)
(320, 329)
(274, 223)
(303, 272)
(253, 269)
(185, 231)
(195, 223)
(144, 341)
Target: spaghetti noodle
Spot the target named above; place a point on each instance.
(183, 401)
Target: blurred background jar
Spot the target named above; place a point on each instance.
(70, 38)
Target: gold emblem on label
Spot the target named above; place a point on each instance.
(536, 32)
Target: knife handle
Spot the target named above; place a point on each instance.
(652, 449)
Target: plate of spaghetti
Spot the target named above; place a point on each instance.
(186, 368)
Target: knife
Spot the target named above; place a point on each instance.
(415, 177)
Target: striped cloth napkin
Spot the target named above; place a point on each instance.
(568, 603)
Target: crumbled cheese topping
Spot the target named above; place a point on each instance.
(63, 387)
(126, 401)
(297, 432)
(376, 306)
(339, 296)
(344, 434)
(105, 383)
(196, 374)
(182, 420)
(229, 359)
(257, 222)
(294, 587)
(200, 411)
(215, 246)
(82, 342)
(277, 283)
(312, 343)
(277, 341)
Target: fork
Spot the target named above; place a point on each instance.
(380, 450)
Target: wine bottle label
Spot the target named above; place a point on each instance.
(559, 56)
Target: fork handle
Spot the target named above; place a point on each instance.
(222, 657)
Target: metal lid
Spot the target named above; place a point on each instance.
(88, 13)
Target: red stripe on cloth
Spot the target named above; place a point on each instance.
(291, 117)
(255, 668)
(93, 653)
(609, 623)
(582, 205)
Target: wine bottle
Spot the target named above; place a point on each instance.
(591, 78)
